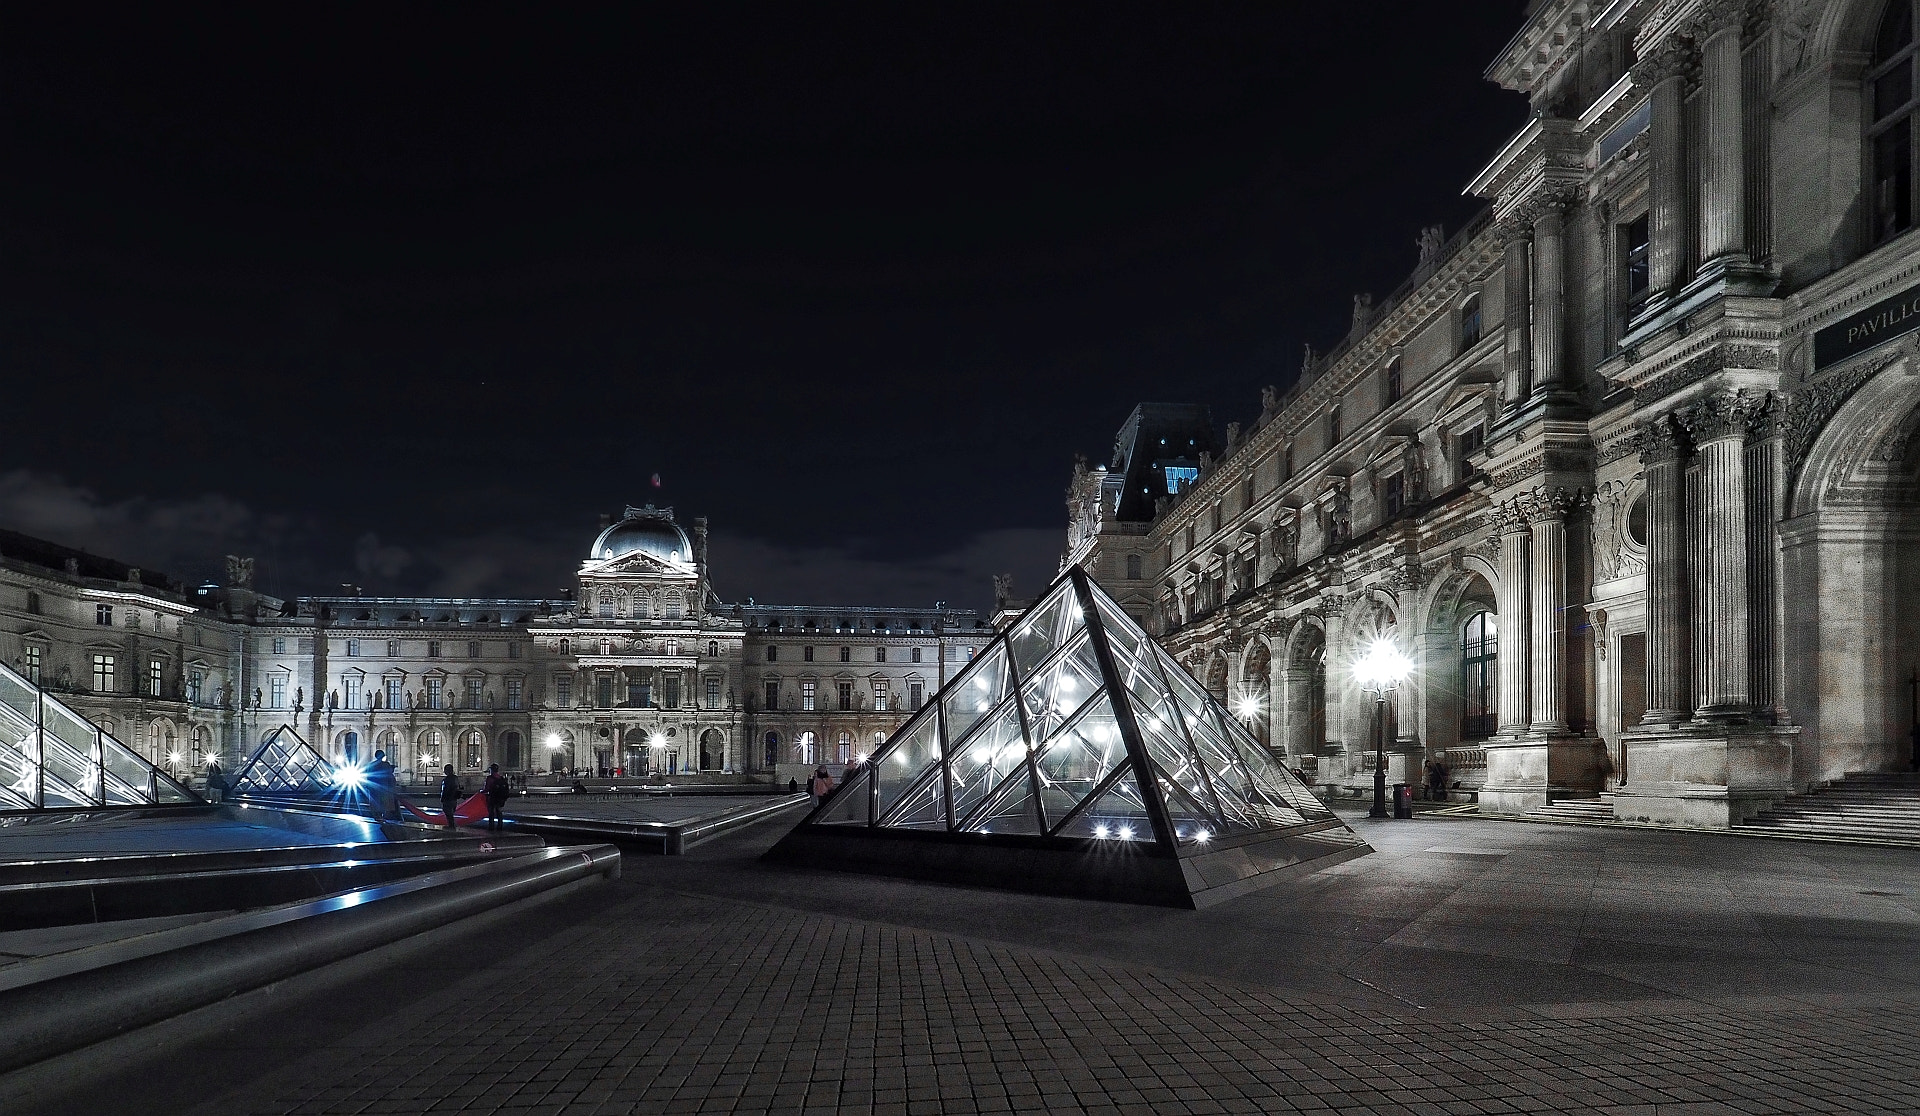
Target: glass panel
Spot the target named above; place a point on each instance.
(922, 809)
(1123, 635)
(1062, 689)
(982, 760)
(1045, 627)
(169, 791)
(1191, 825)
(1119, 815)
(18, 695)
(1892, 90)
(1167, 748)
(1012, 812)
(905, 758)
(69, 754)
(978, 690)
(1076, 760)
(849, 804)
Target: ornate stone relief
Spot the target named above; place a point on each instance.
(1723, 414)
(1615, 553)
(1546, 504)
(1809, 408)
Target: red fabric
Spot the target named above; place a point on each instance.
(474, 809)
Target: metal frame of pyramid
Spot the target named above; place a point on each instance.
(284, 764)
(52, 758)
(1074, 756)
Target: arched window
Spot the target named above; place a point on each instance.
(843, 747)
(879, 738)
(642, 606)
(672, 606)
(565, 647)
(713, 649)
(430, 748)
(1890, 105)
(803, 747)
(473, 748)
(510, 757)
(772, 753)
(606, 606)
(1394, 383)
(1480, 677)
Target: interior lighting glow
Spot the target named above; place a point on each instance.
(173, 757)
(553, 740)
(1247, 706)
(1101, 831)
(657, 740)
(1382, 667)
(1126, 833)
(1203, 836)
(859, 757)
(351, 776)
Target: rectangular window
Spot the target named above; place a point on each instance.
(846, 654)
(396, 697)
(563, 690)
(603, 690)
(103, 674)
(1466, 444)
(103, 614)
(879, 654)
(713, 693)
(1333, 426)
(1635, 252)
(393, 649)
(806, 695)
(1393, 495)
(154, 671)
(351, 685)
(916, 654)
(353, 649)
(773, 653)
(1179, 477)
(277, 691)
(806, 653)
(880, 694)
(773, 696)
(433, 649)
(516, 693)
(641, 695)
(1394, 385)
(916, 694)
(1470, 327)
(672, 688)
(435, 689)
(475, 694)
(1133, 570)
(473, 649)
(672, 647)
(279, 645)
(1286, 464)
(197, 685)
(969, 656)
(33, 665)
(513, 650)
(846, 694)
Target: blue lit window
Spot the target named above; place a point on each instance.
(1179, 478)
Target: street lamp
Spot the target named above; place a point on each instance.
(1380, 671)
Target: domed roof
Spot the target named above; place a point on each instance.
(649, 530)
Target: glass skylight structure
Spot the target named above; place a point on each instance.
(52, 758)
(1073, 730)
(284, 764)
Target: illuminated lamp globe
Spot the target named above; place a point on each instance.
(1383, 667)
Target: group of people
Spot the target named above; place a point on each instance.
(497, 789)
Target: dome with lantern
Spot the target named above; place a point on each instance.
(647, 530)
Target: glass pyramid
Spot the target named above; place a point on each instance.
(284, 763)
(52, 758)
(1074, 729)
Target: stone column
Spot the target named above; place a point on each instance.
(1723, 224)
(1669, 650)
(1718, 425)
(1517, 328)
(1664, 74)
(1766, 507)
(1546, 512)
(1278, 687)
(1515, 636)
(1549, 295)
(1295, 694)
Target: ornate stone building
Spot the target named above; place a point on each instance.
(641, 670)
(1625, 466)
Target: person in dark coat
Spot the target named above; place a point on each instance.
(216, 782)
(449, 795)
(381, 784)
(497, 790)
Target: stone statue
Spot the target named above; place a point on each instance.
(333, 700)
(1415, 471)
(1002, 590)
(1269, 399)
(1362, 310)
(1432, 239)
(1233, 434)
(1307, 359)
(239, 572)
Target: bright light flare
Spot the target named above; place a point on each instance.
(350, 776)
(1382, 667)
(173, 757)
(657, 740)
(1247, 706)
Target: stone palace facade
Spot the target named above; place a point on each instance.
(1626, 467)
(642, 669)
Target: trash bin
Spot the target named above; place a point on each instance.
(1402, 800)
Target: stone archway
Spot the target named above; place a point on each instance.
(1850, 583)
(1460, 693)
(1303, 683)
(1253, 697)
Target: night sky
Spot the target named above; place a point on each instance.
(407, 299)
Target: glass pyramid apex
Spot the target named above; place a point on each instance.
(1073, 724)
(53, 758)
(284, 764)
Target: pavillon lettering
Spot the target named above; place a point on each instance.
(1883, 321)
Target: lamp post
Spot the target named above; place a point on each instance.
(1380, 671)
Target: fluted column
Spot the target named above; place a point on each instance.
(1669, 650)
(1296, 692)
(1277, 685)
(1518, 383)
(1718, 426)
(1723, 224)
(1549, 295)
(1511, 600)
(1766, 507)
(1546, 512)
(1664, 75)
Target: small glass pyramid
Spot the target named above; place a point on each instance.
(284, 763)
(1074, 726)
(52, 758)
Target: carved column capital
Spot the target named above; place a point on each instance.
(1661, 441)
(1724, 414)
(1550, 504)
(1508, 517)
(1715, 16)
(1675, 57)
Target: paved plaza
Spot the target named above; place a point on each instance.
(1470, 966)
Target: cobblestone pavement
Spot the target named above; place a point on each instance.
(709, 984)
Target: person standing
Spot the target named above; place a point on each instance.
(216, 782)
(381, 780)
(821, 785)
(497, 790)
(449, 795)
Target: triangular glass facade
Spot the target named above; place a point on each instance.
(284, 764)
(52, 758)
(1074, 724)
